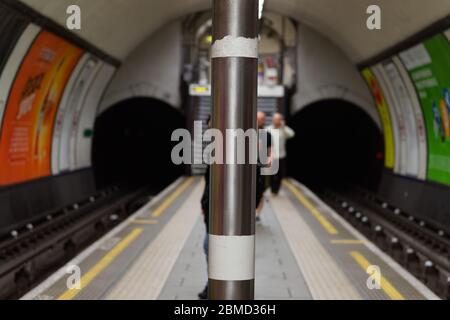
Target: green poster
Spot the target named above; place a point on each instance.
(429, 67)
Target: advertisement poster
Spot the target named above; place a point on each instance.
(418, 116)
(93, 67)
(397, 123)
(405, 112)
(383, 110)
(429, 67)
(26, 134)
(83, 145)
(72, 100)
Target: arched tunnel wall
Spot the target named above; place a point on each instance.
(153, 69)
(324, 72)
(48, 163)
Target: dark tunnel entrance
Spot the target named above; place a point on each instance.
(132, 144)
(336, 144)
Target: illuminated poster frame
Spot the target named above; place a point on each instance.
(385, 118)
(406, 119)
(83, 147)
(74, 98)
(420, 129)
(397, 121)
(93, 67)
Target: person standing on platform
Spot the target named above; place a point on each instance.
(205, 210)
(280, 134)
(264, 136)
(204, 202)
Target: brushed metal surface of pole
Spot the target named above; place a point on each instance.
(234, 98)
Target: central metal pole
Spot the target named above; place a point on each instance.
(233, 186)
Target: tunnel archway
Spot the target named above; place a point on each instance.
(132, 143)
(336, 144)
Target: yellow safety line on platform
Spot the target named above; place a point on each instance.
(102, 264)
(308, 205)
(144, 221)
(170, 199)
(386, 286)
(347, 241)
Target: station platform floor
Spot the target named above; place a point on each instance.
(304, 250)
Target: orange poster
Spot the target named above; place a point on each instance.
(26, 132)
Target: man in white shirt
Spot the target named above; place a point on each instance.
(279, 138)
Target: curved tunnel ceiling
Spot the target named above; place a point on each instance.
(118, 26)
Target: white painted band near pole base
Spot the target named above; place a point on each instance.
(231, 258)
(230, 46)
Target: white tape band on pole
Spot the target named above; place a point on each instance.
(231, 257)
(230, 46)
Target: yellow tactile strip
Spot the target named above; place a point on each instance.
(325, 279)
(327, 225)
(148, 274)
(386, 286)
(410, 287)
(101, 265)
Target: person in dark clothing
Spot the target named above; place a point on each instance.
(204, 202)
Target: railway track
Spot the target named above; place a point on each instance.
(31, 251)
(422, 247)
